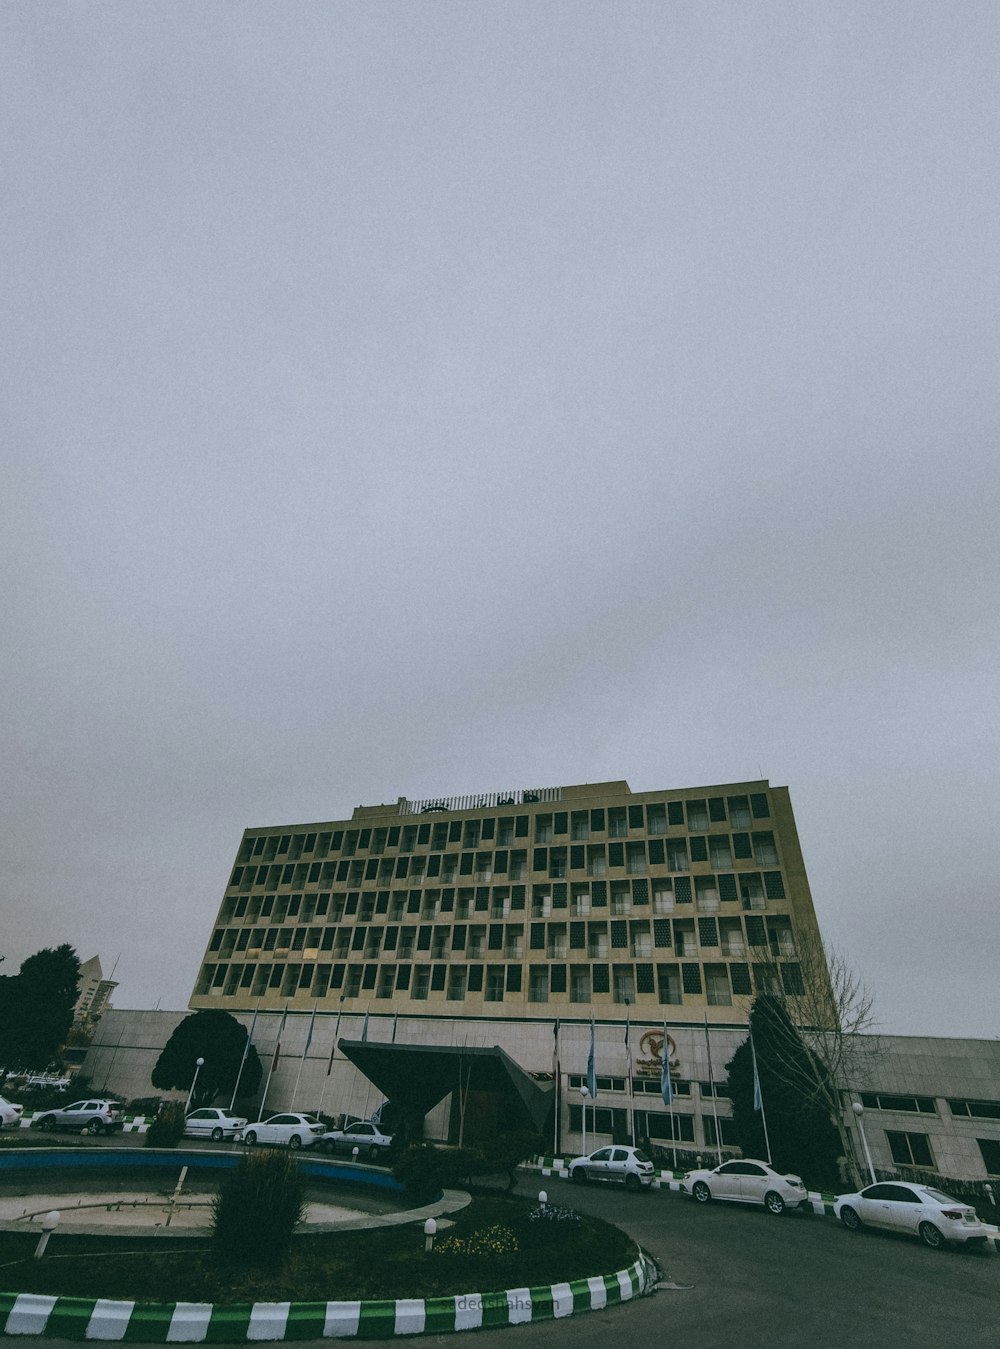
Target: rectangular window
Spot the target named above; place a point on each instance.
(717, 986)
(990, 1150)
(697, 816)
(691, 978)
(579, 983)
(677, 855)
(765, 854)
(538, 983)
(719, 853)
(914, 1105)
(580, 826)
(699, 849)
(910, 1149)
(494, 983)
(668, 984)
(970, 1109)
(624, 983)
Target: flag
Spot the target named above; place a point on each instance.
(592, 1067)
(666, 1081)
(628, 1049)
(395, 1018)
(277, 1055)
(309, 1034)
(758, 1100)
(333, 1047)
(364, 1028)
(555, 1050)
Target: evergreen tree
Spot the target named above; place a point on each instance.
(803, 1138)
(36, 1008)
(220, 1040)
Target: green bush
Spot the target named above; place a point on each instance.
(167, 1130)
(424, 1170)
(257, 1208)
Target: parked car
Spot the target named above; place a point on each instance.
(87, 1117)
(368, 1138)
(42, 1082)
(297, 1131)
(919, 1210)
(747, 1182)
(214, 1124)
(10, 1114)
(628, 1166)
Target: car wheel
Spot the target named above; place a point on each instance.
(93, 1128)
(217, 1135)
(632, 1183)
(373, 1152)
(850, 1219)
(931, 1236)
(250, 1138)
(295, 1142)
(774, 1203)
(330, 1146)
(701, 1192)
(48, 1123)
(579, 1175)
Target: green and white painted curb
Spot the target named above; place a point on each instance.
(76, 1318)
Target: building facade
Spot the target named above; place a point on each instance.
(566, 901)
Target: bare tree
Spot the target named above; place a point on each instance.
(831, 1009)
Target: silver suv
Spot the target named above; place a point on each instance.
(84, 1117)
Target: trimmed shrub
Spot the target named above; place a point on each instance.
(257, 1208)
(167, 1130)
(424, 1170)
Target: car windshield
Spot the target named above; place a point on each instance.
(640, 1156)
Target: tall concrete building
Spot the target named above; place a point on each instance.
(565, 901)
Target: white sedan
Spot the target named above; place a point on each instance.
(214, 1124)
(296, 1131)
(363, 1135)
(747, 1182)
(10, 1113)
(919, 1210)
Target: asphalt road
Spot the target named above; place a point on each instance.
(735, 1276)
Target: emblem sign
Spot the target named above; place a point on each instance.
(651, 1051)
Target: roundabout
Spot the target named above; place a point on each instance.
(161, 1201)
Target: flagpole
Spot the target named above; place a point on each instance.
(274, 1062)
(667, 1089)
(555, 1076)
(246, 1051)
(333, 1050)
(758, 1098)
(628, 1072)
(715, 1099)
(305, 1051)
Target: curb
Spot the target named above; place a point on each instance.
(197, 1322)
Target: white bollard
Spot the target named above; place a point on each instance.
(430, 1231)
(49, 1224)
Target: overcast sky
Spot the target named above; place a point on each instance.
(430, 398)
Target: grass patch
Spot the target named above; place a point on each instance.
(382, 1263)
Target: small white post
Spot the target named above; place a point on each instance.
(49, 1224)
(430, 1230)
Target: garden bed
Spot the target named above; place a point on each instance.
(494, 1243)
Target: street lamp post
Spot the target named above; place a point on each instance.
(198, 1065)
(585, 1093)
(859, 1111)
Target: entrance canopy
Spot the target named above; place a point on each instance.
(416, 1077)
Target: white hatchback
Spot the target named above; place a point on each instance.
(628, 1166)
(296, 1131)
(919, 1210)
(747, 1182)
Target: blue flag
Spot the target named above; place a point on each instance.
(666, 1082)
(364, 1028)
(592, 1067)
(758, 1100)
